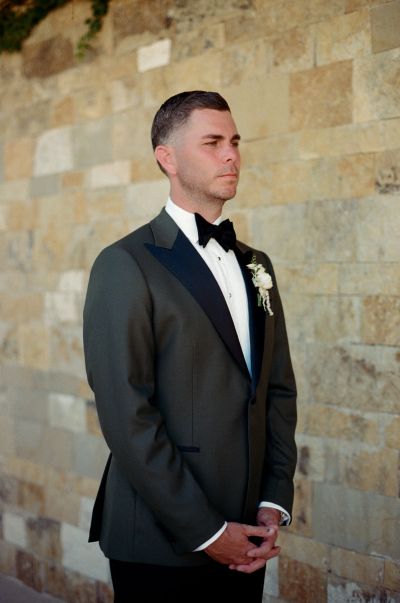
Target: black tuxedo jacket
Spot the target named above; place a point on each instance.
(194, 438)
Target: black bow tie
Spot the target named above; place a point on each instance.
(224, 233)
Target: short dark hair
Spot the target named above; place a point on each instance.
(176, 110)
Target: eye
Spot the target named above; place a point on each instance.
(211, 143)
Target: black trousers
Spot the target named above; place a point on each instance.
(213, 583)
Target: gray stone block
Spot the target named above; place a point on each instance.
(90, 455)
(42, 186)
(360, 521)
(92, 143)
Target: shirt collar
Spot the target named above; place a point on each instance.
(185, 220)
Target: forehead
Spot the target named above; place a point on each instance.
(209, 121)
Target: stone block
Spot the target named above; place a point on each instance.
(18, 158)
(242, 60)
(85, 512)
(14, 529)
(26, 470)
(61, 504)
(135, 17)
(46, 58)
(321, 97)
(311, 454)
(72, 281)
(31, 496)
(92, 421)
(7, 558)
(336, 319)
(379, 320)
(91, 103)
(14, 190)
(56, 580)
(1, 162)
(67, 412)
(117, 173)
(270, 115)
(271, 583)
(62, 112)
(348, 509)
(293, 50)
(42, 186)
(30, 570)
(373, 471)
(8, 490)
(60, 307)
(392, 432)
(311, 278)
(34, 345)
(72, 180)
(376, 86)
(53, 152)
(388, 172)
(197, 41)
(92, 143)
(90, 455)
(341, 423)
(344, 590)
(28, 404)
(79, 588)
(43, 537)
(385, 23)
(369, 278)
(330, 229)
(301, 581)
(80, 556)
(391, 577)
(304, 550)
(145, 199)
(274, 224)
(124, 94)
(154, 55)
(354, 376)
(343, 37)
(131, 135)
(303, 500)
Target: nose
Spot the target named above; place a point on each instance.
(231, 154)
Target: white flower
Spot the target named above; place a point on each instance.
(263, 281)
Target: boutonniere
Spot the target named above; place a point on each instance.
(263, 281)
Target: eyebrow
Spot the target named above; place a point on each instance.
(220, 137)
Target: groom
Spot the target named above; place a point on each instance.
(187, 354)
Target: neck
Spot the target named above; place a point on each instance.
(209, 209)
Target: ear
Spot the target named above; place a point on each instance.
(165, 156)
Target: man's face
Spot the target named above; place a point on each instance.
(207, 155)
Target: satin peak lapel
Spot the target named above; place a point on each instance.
(183, 261)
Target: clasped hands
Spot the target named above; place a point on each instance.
(234, 547)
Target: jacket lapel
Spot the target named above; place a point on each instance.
(176, 253)
(257, 322)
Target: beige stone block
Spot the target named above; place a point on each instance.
(336, 320)
(301, 581)
(321, 97)
(380, 320)
(43, 59)
(105, 205)
(387, 172)
(304, 550)
(145, 199)
(31, 497)
(357, 175)
(124, 94)
(7, 440)
(269, 115)
(368, 278)
(278, 148)
(14, 190)
(341, 140)
(72, 179)
(293, 50)
(18, 159)
(53, 152)
(144, 169)
(327, 421)
(254, 188)
(302, 507)
(67, 412)
(312, 278)
(91, 103)
(19, 308)
(375, 471)
(62, 505)
(385, 22)
(191, 74)
(343, 37)
(131, 135)
(92, 420)
(117, 173)
(241, 61)
(311, 453)
(67, 349)
(21, 215)
(62, 112)
(250, 26)
(198, 40)
(34, 345)
(392, 575)
(26, 470)
(241, 222)
(390, 207)
(392, 432)
(357, 567)
(274, 224)
(376, 86)
(291, 182)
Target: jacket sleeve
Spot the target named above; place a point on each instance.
(120, 356)
(281, 414)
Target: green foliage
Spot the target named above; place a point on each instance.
(17, 22)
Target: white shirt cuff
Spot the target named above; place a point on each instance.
(285, 520)
(212, 539)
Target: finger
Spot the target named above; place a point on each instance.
(261, 531)
(249, 568)
(264, 552)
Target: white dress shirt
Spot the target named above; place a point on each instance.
(226, 271)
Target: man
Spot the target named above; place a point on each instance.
(187, 355)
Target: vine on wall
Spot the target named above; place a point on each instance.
(19, 17)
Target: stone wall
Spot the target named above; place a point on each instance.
(315, 89)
